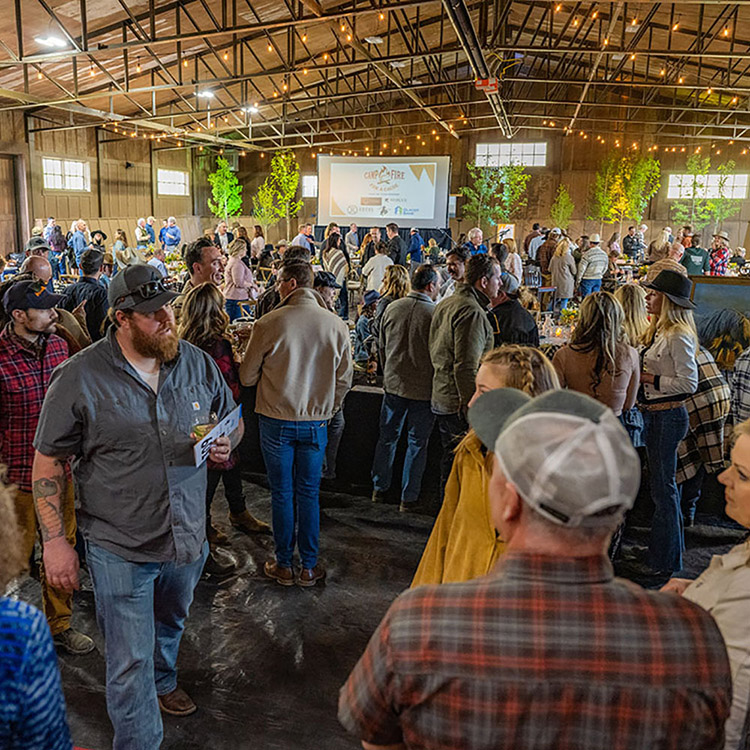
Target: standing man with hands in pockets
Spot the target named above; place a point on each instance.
(124, 411)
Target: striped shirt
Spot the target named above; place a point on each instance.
(546, 653)
(32, 709)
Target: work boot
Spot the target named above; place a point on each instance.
(177, 703)
(216, 566)
(248, 523)
(216, 537)
(378, 496)
(282, 576)
(310, 576)
(74, 642)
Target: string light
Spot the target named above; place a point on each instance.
(726, 31)
(270, 48)
(606, 41)
(348, 37)
(92, 72)
(575, 22)
(632, 57)
(382, 16)
(184, 63)
(558, 8)
(734, 100)
(39, 75)
(662, 72)
(676, 26)
(304, 71)
(304, 39)
(343, 27)
(325, 55)
(138, 65)
(680, 79)
(595, 15)
(285, 87)
(634, 22)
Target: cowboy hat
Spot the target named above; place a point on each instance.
(673, 285)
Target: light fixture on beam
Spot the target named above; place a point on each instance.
(54, 42)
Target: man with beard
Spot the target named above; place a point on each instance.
(29, 353)
(125, 410)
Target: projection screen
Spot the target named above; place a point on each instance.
(408, 190)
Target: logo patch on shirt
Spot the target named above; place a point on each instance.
(196, 406)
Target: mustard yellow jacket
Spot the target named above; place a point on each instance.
(463, 544)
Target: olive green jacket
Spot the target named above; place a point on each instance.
(460, 334)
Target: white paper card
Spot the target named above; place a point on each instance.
(226, 427)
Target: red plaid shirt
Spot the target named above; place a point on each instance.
(25, 372)
(542, 653)
(719, 261)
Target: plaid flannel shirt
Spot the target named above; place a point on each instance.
(541, 653)
(25, 371)
(741, 388)
(708, 409)
(719, 261)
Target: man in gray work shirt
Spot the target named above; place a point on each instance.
(124, 409)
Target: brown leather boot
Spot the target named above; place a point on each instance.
(248, 523)
(283, 576)
(177, 703)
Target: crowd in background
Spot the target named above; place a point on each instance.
(540, 466)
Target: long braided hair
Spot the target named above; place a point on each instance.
(526, 369)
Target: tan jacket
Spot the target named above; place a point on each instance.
(300, 356)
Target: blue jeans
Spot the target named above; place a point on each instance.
(293, 453)
(419, 419)
(663, 432)
(587, 286)
(336, 426)
(233, 309)
(141, 610)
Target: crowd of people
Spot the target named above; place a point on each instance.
(107, 384)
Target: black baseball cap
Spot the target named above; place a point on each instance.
(326, 278)
(29, 295)
(139, 287)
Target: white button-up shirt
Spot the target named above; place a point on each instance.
(723, 590)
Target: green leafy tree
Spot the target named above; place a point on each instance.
(226, 191)
(694, 209)
(643, 182)
(265, 208)
(562, 209)
(496, 194)
(723, 207)
(285, 182)
(601, 207)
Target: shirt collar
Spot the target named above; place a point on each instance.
(420, 295)
(32, 347)
(737, 557)
(527, 566)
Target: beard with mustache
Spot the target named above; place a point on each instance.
(159, 346)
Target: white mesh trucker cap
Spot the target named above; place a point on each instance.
(567, 455)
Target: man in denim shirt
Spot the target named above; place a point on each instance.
(124, 411)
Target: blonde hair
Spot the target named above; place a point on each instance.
(202, 319)
(432, 242)
(526, 369)
(743, 428)
(562, 248)
(671, 319)
(510, 244)
(632, 298)
(395, 282)
(11, 557)
(236, 246)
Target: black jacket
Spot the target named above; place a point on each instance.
(513, 324)
(230, 238)
(397, 250)
(95, 294)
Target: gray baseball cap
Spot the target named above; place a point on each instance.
(139, 287)
(567, 455)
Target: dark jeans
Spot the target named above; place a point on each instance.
(632, 421)
(336, 426)
(342, 303)
(232, 479)
(690, 494)
(141, 610)
(663, 432)
(418, 416)
(452, 428)
(293, 453)
(233, 309)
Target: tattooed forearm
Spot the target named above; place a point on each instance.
(49, 490)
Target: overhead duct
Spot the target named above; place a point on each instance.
(459, 17)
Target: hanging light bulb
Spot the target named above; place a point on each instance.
(184, 63)
(92, 72)
(343, 27)
(226, 55)
(304, 38)
(138, 65)
(662, 72)
(595, 15)
(632, 57)
(726, 31)
(325, 55)
(39, 75)
(575, 22)
(285, 87)
(304, 71)
(676, 26)
(270, 48)
(382, 16)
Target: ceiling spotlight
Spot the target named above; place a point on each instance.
(51, 41)
(206, 94)
(374, 39)
(251, 110)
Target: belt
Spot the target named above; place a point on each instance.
(661, 405)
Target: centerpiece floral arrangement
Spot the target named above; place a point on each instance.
(568, 316)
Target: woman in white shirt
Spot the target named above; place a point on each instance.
(513, 262)
(258, 243)
(669, 375)
(374, 269)
(723, 589)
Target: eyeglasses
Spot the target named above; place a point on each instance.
(147, 290)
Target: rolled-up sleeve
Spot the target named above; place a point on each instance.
(367, 704)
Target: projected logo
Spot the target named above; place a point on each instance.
(385, 180)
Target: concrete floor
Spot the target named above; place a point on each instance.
(264, 663)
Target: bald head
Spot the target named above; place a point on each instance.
(39, 267)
